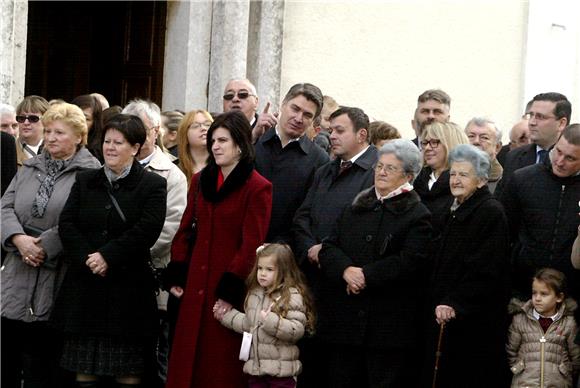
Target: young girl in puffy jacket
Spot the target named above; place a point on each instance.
(278, 311)
(541, 347)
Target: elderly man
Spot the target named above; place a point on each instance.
(8, 121)
(155, 160)
(432, 105)
(541, 204)
(289, 159)
(485, 135)
(240, 94)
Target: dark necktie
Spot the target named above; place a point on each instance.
(542, 154)
(545, 323)
(344, 166)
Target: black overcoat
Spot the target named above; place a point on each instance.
(389, 241)
(122, 302)
(471, 270)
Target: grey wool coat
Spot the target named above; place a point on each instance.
(274, 351)
(28, 292)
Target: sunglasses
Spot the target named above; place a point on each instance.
(31, 118)
(242, 95)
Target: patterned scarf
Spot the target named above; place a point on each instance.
(53, 167)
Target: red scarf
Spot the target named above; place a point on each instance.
(220, 179)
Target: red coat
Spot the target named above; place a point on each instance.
(230, 228)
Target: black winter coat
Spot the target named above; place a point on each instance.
(388, 240)
(438, 200)
(542, 210)
(123, 301)
(471, 275)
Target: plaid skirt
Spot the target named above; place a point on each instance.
(104, 355)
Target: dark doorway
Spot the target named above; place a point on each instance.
(115, 48)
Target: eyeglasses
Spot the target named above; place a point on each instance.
(242, 95)
(200, 125)
(31, 118)
(434, 143)
(538, 116)
(389, 168)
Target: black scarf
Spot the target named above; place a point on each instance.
(53, 167)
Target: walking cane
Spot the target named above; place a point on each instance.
(438, 353)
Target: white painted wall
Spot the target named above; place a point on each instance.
(380, 55)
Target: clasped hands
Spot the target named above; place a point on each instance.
(97, 264)
(355, 280)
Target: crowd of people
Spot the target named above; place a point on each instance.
(307, 247)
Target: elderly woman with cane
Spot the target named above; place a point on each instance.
(370, 289)
(468, 290)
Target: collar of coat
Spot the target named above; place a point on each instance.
(472, 203)
(236, 179)
(440, 186)
(81, 159)
(304, 142)
(367, 160)
(367, 200)
(517, 306)
(129, 182)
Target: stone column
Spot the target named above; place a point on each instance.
(229, 47)
(13, 29)
(266, 35)
(187, 48)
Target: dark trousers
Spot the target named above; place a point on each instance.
(31, 352)
(271, 382)
(313, 355)
(359, 367)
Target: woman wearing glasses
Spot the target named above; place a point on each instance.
(30, 128)
(432, 184)
(368, 309)
(34, 268)
(191, 140)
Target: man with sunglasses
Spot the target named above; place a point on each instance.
(30, 128)
(240, 94)
(547, 117)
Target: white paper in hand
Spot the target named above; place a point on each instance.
(246, 345)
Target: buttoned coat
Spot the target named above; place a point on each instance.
(232, 223)
(470, 275)
(388, 240)
(121, 303)
(28, 293)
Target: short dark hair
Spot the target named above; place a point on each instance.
(572, 134)
(309, 91)
(563, 107)
(554, 279)
(358, 118)
(130, 126)
(435, 94)
(239, 128)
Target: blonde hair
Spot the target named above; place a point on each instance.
(186, 162)
(69, 114)
(289, 276)
(449, 134)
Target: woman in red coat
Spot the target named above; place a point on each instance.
(232, 204)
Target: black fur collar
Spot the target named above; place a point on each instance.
(235, 180)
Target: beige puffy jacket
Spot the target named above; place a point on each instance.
(273, 350)
(538, 359)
